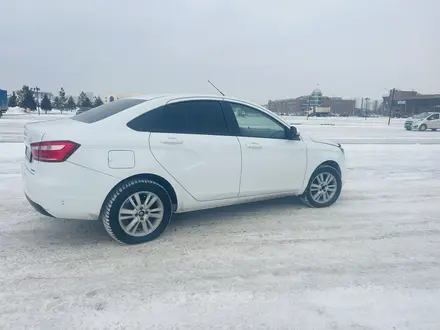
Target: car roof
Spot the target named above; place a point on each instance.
(168, 97)
(165, 98)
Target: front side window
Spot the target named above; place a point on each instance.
(186, 117)
(434, 117)
(255, 123)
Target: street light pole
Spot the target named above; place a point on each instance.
(37, 89)
(391, 105)
(362, 107)
(366, 106)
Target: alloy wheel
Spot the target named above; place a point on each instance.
(323, 188)
(141, 213)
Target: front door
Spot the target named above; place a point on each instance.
(195, 148)
(434, 121)
(271, 163)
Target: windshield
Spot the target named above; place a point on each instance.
(421, 115)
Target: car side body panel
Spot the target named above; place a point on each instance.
(207, 166)
(319, 153)
(78, 187)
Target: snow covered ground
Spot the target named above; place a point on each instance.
(372, 261)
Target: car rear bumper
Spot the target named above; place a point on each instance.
(68, 192)
(38, 207)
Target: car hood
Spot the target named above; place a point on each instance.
(325, 142)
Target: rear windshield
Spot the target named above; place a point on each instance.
(106, 110)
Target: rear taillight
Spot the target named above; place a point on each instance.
(53, 151)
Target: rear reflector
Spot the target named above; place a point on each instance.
(53, 151)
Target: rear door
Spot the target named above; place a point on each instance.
(190, 139)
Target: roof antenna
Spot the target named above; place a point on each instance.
(216, 88)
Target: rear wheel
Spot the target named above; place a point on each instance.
(137, 211)
(423, 127)
(324, 187)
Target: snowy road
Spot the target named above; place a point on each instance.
(372, 261)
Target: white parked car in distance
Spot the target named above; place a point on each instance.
(424, 121)
(134, 162)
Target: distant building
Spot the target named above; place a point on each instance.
(339, 106)
(409, 103)
(315, 98)
(303, 104)
(41, 95)
(110, 97)
(286, 106)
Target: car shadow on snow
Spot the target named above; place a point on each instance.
(70, 232)
(61, 232)
(235, 212)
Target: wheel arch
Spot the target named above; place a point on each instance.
(330, 163)
(148, 176)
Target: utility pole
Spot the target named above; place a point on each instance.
(308, 107)
(37, 89)
(362, 107)
(391, 105)
(366, 106)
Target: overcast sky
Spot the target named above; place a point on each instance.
(253, 49)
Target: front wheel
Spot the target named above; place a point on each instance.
(137, 211)
(423, 127)
(324, 187)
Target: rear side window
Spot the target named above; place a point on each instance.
(106, 110)
(187, 117)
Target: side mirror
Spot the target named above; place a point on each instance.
(293, 133)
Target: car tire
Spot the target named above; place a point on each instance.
(127, 215)
(423, 127)
(329, 190)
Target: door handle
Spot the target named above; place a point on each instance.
(253, 145)
(171, 141)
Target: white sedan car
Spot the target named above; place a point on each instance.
(424, 121)
(134, 162)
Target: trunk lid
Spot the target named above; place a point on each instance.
(58, 129)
